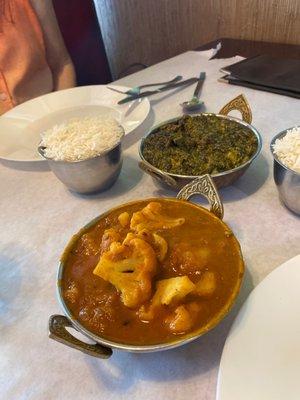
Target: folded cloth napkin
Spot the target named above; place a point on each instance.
(266, 73)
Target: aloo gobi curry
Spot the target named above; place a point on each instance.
(203, 144)
(151, 271)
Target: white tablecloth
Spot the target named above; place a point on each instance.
(38, 216)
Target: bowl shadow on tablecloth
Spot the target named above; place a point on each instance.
(130, 176)
(123, 370)
(245, 186)
(30, 166)
(12, 307)
(253, 179)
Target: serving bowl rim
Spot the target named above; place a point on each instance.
(279, 136)
(220, 174)
(151, 347)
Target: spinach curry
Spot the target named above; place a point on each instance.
(151, 271)
(203, 144)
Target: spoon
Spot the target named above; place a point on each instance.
(195, 103)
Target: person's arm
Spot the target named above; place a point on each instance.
(57, 55)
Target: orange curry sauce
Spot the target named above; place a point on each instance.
(97, 304)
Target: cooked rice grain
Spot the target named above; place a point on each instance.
(287, 149)
(81, 138)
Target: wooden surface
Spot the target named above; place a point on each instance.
(249, 48)
(149, 31)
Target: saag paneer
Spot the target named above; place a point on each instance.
(150, 271)
(204, 144)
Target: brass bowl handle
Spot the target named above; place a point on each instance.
(240, 104)
(204, 186)
(58, 332)
(158, 175)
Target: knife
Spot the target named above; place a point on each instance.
(187, 82)
(137, 90)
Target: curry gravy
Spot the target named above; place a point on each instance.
(96, 303)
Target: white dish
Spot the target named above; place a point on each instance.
(261, 357)
(20, 127)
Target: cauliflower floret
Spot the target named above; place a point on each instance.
(129, 267)
(124, 219)
(150, 218)
(173, 289)
(180, 321)
(129, 238)
(109, 236)
(161, 247)
(206, 285)
(168, 292)
(157, 242)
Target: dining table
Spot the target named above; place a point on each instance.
(39, 216)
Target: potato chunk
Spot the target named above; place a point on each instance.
(109, 236)
(151, 218)
(184, 317)
(129, 267)
(168, 292)
(186, 257)
(180, 321)
(124, 219)
(206, 286)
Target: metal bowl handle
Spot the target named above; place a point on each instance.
(58, 332)
(158, 175)
(240, 104)
(204, 186)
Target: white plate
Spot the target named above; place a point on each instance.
(261, 357)
(20, 127)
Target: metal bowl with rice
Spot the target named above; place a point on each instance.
(85, 154)
(285, 148)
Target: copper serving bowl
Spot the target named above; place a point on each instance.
(221, 179)
(103, 347)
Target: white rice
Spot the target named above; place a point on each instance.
(287, 149)
(81, 138)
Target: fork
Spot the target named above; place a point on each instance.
(136, 90)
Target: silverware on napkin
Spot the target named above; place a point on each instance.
(136, 90)
(186, 82)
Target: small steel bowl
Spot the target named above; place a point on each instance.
(286, 180)
(221, 179)
(88, 176)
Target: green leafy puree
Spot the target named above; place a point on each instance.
(199, 145)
